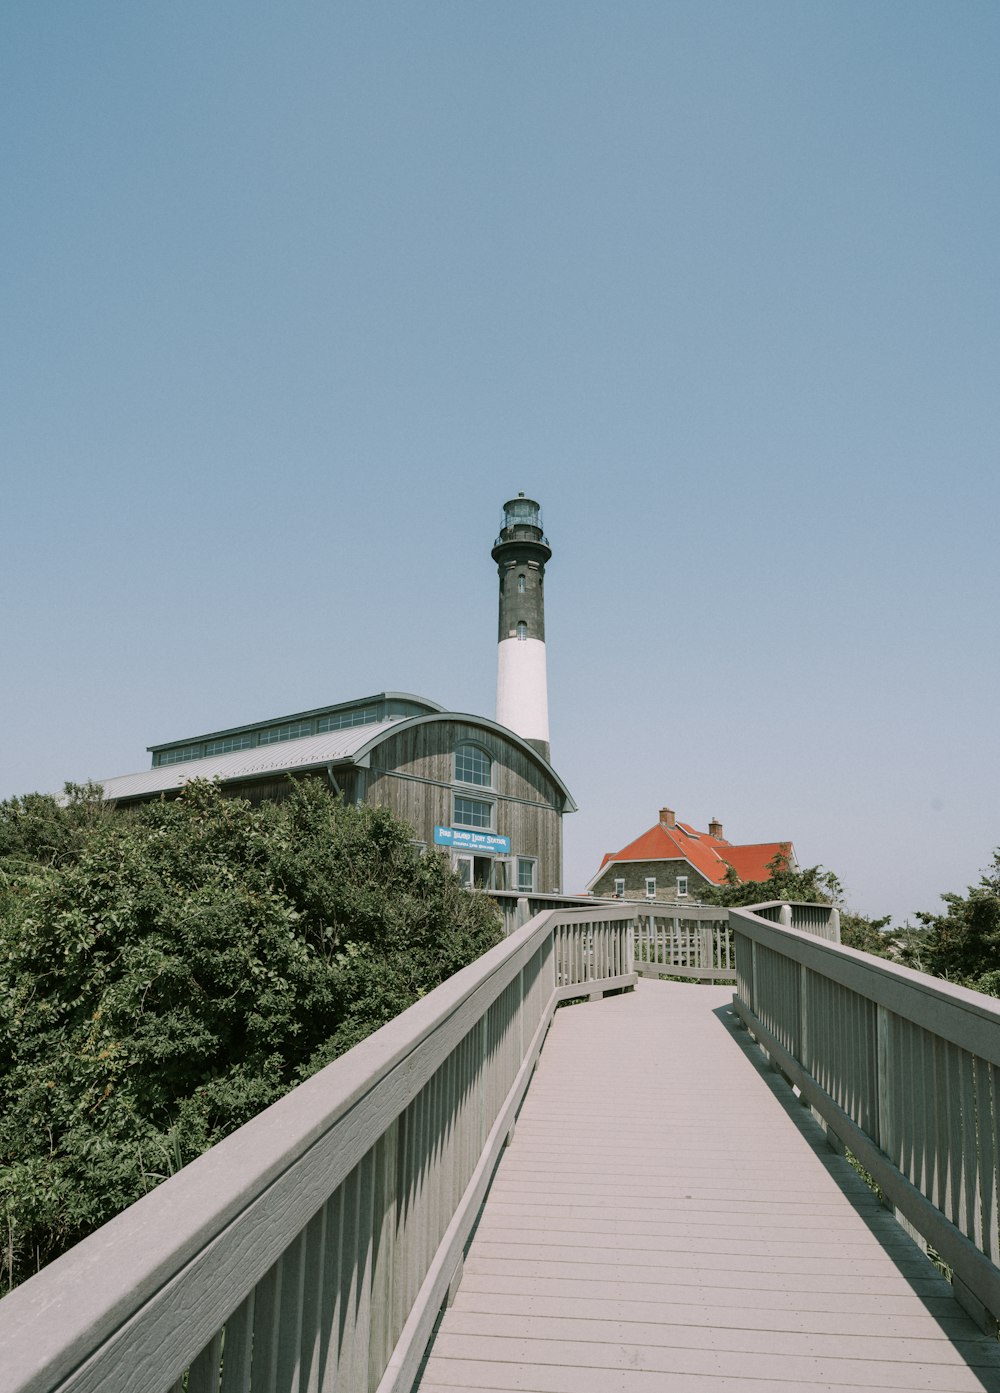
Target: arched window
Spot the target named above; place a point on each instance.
(520, 585)
(522, 631)
(473, 766)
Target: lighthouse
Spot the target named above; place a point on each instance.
(521, 551)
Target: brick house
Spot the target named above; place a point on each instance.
(673, 861)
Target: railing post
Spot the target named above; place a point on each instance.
(785, 916)
(630, 932)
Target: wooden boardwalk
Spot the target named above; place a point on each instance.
(668, 1217)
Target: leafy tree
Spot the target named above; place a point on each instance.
(963, 943)
(167, 973)
(814, 885)
(866, 934)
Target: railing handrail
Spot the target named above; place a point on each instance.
(51, 1325)
(966, 1018)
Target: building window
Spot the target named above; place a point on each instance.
(651, 887)
(525, 873)
(682, 885)
(520, 585)
(473, 766)
(619, 889)
(228, 744)
(522, 630)
(339, 720)
(293, 731)
(472, 812)
(180, 755)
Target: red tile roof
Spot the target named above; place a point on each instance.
(708, 855)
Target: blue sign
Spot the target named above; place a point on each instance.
(465, 840)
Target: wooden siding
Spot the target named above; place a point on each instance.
(412, 773)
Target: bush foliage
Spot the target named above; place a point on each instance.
(169, 972)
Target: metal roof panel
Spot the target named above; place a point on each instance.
(283, 756)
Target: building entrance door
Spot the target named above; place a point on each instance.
(482, 872)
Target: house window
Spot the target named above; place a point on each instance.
(619, 889)
(682, 885)
(520, 585)
(522, 631)
(651, 887)
(525, 873)
(472, 812)
(473, 766)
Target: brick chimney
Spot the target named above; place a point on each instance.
(715, 829)
(668, 817)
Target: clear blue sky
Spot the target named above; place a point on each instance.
(293, 296)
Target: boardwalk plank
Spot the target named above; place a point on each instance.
(751, 1296)
(724, 1337)
(451, 1374)
(641, 1308)
(775, 1365)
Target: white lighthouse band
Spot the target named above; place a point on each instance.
(522, 688)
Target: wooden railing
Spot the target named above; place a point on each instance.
(903, 1069)
(313, 1248)
(696, 941)
(821, 920)
(669, 943)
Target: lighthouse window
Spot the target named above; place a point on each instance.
(520, 585)
(472, 812)
(473, 766)
(522, 631)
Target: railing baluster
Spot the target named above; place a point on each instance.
(289, 1322)
(264, 1368)
(968, 1197)
(203, 1376)
(312, 1304)
(237, 1347)
(331, 1295)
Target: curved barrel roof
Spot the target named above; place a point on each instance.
(351, 745)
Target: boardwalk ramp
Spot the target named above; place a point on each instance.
(668, 1216)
